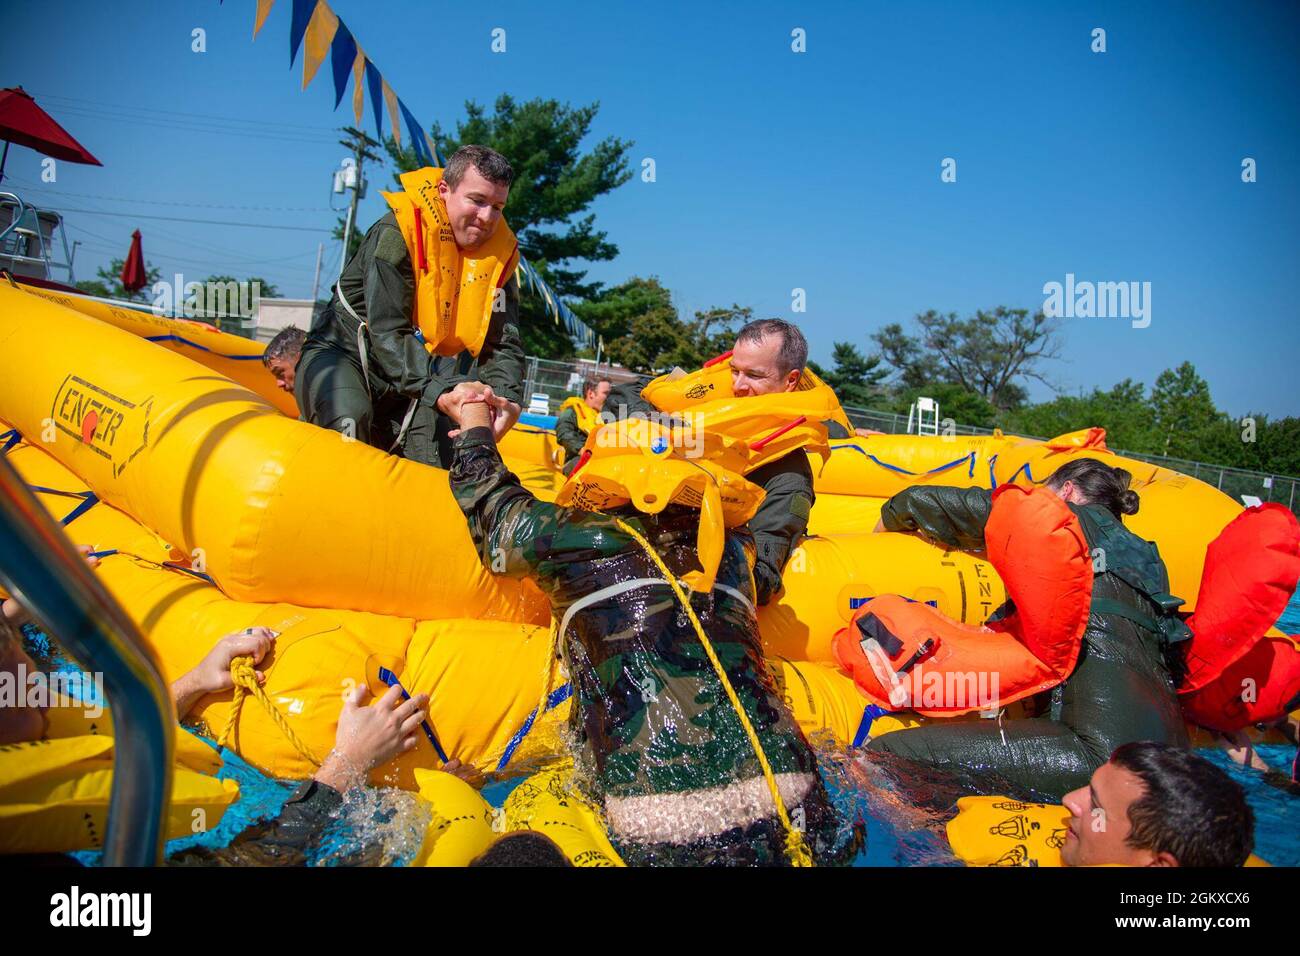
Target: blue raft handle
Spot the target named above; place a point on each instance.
(389, 678)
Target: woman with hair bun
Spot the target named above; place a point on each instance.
(1122, 688)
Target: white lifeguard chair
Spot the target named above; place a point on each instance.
(925, 413)
(539, 404)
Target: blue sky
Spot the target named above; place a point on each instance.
(775, 170)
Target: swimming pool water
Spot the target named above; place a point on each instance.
(900, 831)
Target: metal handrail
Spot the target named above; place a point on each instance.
(40, 567)
(22, 211)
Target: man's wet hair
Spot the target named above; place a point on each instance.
(490, 164)
(525, 848)
(794, 347)
(287, 342)
(1190, 809)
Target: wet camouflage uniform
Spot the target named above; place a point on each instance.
(1121, 689)
(650, 710)
(331, 387)
(782, 518)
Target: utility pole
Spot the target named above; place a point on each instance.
(359, 143)
(315, 282)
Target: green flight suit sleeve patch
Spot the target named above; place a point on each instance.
(391, 247)
(801, 506)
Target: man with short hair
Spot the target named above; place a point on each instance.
(281, 356)
(428, 305)
(769, 356)
(1157, 805)
(578, 415)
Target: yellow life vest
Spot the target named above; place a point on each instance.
(454, 291)
(588, 417)
(1000, 831)
(698, 457)
(54, 795)
(651, 465)
(462, 822)
(549, 803)
(708, 391)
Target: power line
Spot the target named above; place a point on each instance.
(205, 222)
(197, 205)
(175, 126)
(324, 130)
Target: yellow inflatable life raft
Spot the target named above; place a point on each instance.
(228, 480)
(237, 358)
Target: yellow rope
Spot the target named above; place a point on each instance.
(795, 848)
(245, 678)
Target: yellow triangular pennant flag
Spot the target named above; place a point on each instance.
(358, 85)
(263, 11)
(316, 41)
(393, 117)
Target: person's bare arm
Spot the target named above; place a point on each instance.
(212, 675)
(369, 736)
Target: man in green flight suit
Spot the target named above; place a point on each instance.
(769, 356)
(660, 742)
(578, 415)
(364, 369)
(1121, 689)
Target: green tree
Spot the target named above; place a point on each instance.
(988, 354)
(1183, 412)
(962, 406)
(109, 284)
(265, 289)
(1123, 410)
(556, 182)
(856, 378)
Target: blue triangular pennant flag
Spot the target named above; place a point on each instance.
(302, 11)
(374, 82)
(343, 54)
(417, 137)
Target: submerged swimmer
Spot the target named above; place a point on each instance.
(1122, 688)
(679, 780)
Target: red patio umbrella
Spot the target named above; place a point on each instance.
(25, 123)
(133, 276)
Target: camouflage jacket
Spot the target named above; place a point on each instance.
(379, 284)
(649, 707)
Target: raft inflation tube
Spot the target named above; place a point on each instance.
(484, 677)
(237, 358)
(273, 509)
(41, 568)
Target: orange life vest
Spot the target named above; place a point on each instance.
(1239, 673)
(455, 292)
(905, 655)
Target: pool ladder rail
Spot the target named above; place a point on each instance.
(41, 568)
